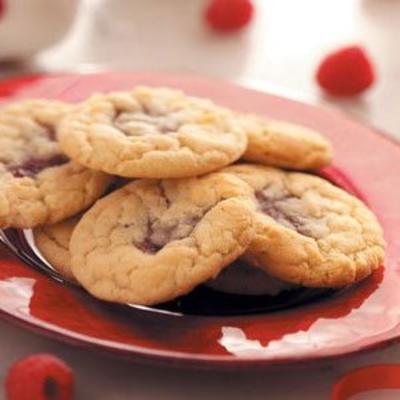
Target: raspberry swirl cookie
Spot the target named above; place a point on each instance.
(39, 184)
(238, 278)
(153, 241)
(281, 144)
(152, 133)
(310, 232)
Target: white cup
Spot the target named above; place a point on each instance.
(28, 26)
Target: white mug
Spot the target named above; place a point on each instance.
(28, 26)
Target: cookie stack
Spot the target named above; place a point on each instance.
(133, 196)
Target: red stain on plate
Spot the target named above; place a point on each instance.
(360, 317)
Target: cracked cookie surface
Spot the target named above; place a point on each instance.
(38, 184)
(155, 240)
(310, 232)
(286, 145)
(53, 243)
(53, 240)
(152, 133)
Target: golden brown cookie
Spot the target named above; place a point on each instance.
(310, 232)
(282, 144)
(39, 184)
(153, 241)
(152, 133)
(53, 243)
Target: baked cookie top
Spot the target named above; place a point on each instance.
(310, 232)
(153, 240)
(39, 184)
(152, 133)
(53, 240)
(282, 144)
(53, 243)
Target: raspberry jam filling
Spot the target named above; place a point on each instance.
(285, 209)
(159, 236)
(33, 166)
(145, 123)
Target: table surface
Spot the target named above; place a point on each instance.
(279, 53)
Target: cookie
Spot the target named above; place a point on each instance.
(282, 144)
(242, 279)
(39, 184)
(310, 232)
(155, 240)
(53, 243)
(152, 133)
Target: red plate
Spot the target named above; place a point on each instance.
(363, 317)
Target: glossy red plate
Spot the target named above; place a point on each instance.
(362, 317)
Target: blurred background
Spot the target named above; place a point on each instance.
(279, 51)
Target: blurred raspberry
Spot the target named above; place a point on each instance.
(2, 7)
(229, 15)
(346, 72)
(39, 377)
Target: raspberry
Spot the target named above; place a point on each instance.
(346, 72)
(40, 377)
(229, 15)
(2, 7)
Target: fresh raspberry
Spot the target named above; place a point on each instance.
(2, 7)
(229, 15)
(40, 377)
(346, 72)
